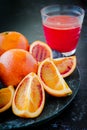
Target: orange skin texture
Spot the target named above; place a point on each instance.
(13, 40)
(15, 64)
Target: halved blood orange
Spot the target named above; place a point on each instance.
(52, 80)
(6, 96)
(65, 65)
(29, 97)
(40, 50)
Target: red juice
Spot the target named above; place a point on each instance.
(62, 32)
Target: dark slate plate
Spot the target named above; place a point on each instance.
(53, 106)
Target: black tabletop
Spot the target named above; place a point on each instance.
(24, 16)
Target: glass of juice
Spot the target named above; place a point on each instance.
(62, 27)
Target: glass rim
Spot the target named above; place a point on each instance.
(76, 7)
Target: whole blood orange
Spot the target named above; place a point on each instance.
(29, 97)
(13, 40)
(15, 64)
(40, 50)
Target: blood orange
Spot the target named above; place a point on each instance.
(65, 65)
(52, 80)
(15, 64)
(6, 96)
(29, 97)
(13, 40)
(40, 50)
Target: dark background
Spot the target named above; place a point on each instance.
(24, 16)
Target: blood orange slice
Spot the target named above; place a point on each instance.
(29, 97)
(40, 50)
(65, 65)
(52, 80)
(6, 96)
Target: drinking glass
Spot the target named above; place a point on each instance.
(62, 27)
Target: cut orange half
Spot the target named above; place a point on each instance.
(6, 96)
(52, 80)
(40, 50)
(65, 65)
(29, 97)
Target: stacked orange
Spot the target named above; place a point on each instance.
(32, 72)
